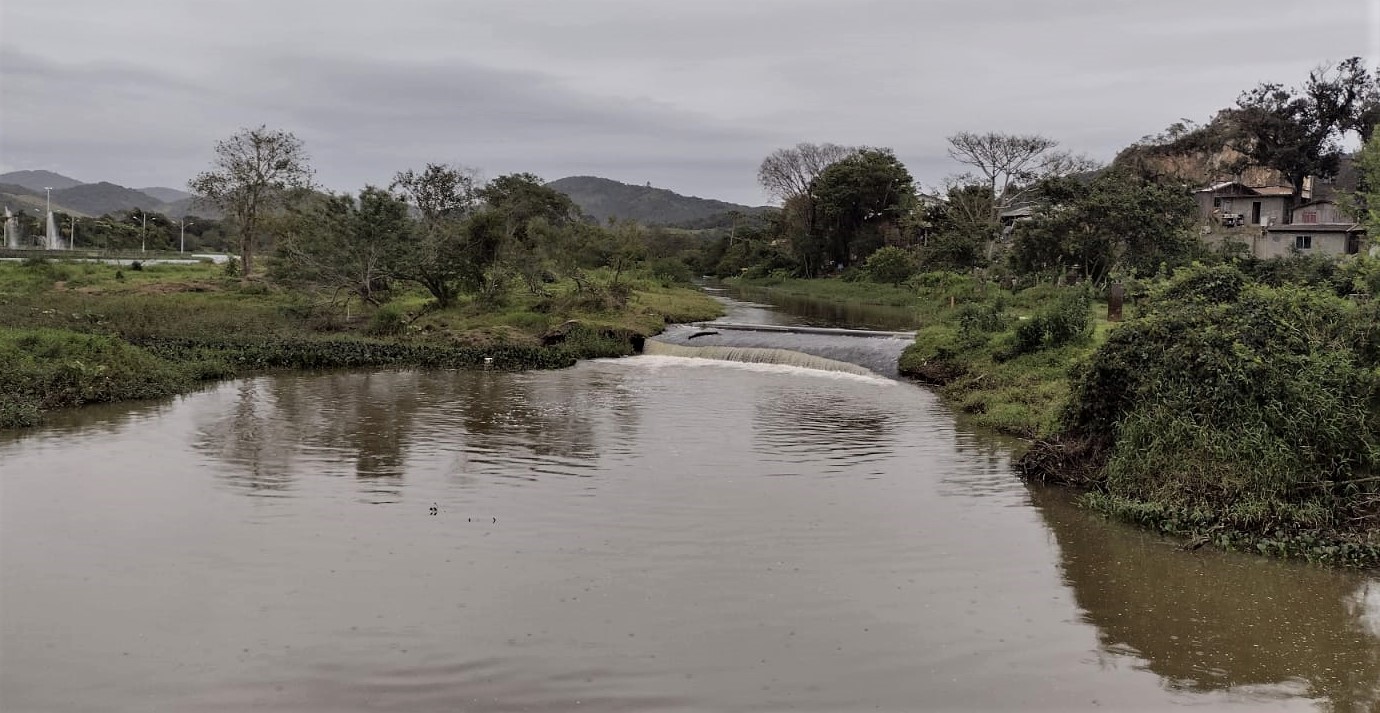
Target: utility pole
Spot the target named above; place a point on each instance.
(72, 239)
(182, 247)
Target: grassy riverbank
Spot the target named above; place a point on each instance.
(966, 346)
(1232, 409)
(73, 333)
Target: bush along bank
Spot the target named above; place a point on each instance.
(47, 369)
(1234, 414)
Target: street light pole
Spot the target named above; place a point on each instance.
(144, 233)
(182, 247)
(72, 239)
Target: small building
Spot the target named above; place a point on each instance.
(1232, 203)
(1320, 227)
(1011, 216)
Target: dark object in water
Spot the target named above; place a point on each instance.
(704, 333)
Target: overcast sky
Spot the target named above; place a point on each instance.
(686, 94)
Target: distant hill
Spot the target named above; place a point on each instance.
(24, 189)
(166, 195)
(38, 180)
(104, 197)
(602, 198)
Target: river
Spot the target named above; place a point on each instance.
(656, 533)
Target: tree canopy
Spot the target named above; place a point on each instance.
(251, 175)
(856, 199)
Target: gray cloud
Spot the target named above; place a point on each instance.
(686, 95)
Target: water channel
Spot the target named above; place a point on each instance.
(656, 533)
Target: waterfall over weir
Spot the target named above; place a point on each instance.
(867, 353)
(755, 355)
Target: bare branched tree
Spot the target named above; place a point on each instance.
(787, 173)
(253, 173)
(1009, 164)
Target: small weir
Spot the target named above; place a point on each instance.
(847, 350)
(756, 355)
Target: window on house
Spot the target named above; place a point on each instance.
(1216, 202)
(1310, 216)
(1303, 242)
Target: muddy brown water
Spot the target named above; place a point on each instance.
(653, 533)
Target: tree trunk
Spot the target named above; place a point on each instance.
(247, 249)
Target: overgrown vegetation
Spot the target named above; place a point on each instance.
(1001, 356)
(72, 334)
(1234, 412)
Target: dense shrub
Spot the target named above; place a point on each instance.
(387, 321)
(44, 369)
(1068, 319)
(1234, 409)
(890, 265)
(670, 271)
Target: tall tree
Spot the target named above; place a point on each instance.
(1299, 131)
(252, 175)
(787, 173)
(1012, 164)
(856, 198)
(439, 256)
(960, 228)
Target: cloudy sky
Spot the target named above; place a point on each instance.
(685, 94)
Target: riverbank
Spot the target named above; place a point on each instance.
(1229, 409)
(965, 343)
(72, 334)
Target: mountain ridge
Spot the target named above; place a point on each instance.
(39, 179)
(604, 198)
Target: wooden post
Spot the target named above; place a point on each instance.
(1116, 296)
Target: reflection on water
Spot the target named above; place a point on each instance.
(755, 305)
(616, 536)
(1210, 622)
(368, 425)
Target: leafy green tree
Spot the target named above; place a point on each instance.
(252, 175)
(856, 198)
(347, 244)
(960, 229)
(1116, 220)
(527, 215)
(439, 256)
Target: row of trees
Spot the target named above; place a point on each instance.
(442, 230)
(440, 227)
(1023, 204)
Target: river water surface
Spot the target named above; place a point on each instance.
(652, 533)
